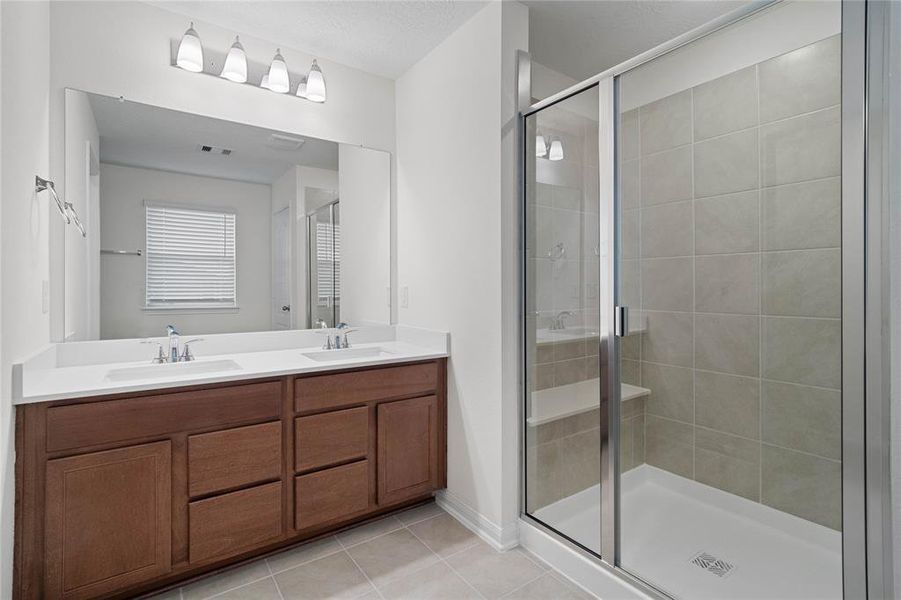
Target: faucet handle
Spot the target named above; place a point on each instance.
(160, 357)
(186, 355)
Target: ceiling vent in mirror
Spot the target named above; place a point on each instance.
(285, 142)
(215, 150)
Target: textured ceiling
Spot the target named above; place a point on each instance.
(581, 38)
(385, 37)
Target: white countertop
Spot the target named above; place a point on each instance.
(61, 371)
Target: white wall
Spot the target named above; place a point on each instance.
(82, 276)
(24, 224)
(451, 234)
(123, 191)
(123, 49)
(364, 188)
(285, 191)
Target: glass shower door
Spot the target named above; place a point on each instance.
(324, 238)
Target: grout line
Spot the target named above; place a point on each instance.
(372, 584)
(272, 575)
(530, 581)
(442, 559)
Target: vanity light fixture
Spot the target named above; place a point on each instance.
(264, 82)
(302, 88)
(278, 74)
(556, 151)
(315, 84)
(540, 146)
(190, 51)
(235, 68)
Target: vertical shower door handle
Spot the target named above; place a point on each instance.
(621, 321)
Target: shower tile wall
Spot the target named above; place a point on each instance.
(731, 250)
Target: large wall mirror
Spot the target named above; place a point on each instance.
(218, 227)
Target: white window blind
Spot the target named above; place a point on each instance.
(190, 257)
(328, 261)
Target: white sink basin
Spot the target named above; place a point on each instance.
(347, 354)
(171, 370)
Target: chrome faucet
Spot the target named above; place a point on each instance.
(173, 343)
(559, 321)
(186, 354)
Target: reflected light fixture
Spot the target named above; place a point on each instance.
(315, 84)
(302, 88)
(235, 68)
(556, 151)
(278, 74)
(264, 82)
(190, 51)
(540, 146)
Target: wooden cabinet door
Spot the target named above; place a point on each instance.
(108, 522)
(407, 448)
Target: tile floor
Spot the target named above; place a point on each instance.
(422, 553)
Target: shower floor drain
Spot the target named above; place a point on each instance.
(712, 564)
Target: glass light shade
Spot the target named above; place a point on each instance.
(278, 74)
(540, 146)
(556, 151)
(264, 82)
(302, 88)
(315, 84)
(190, 52)
(235, 68)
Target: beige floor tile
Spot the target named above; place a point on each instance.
(227, 580)
(444, 535)
(170, 595)
(392, 556)
(544, 566)
(264, 589)
(369, 531)
(420, 513)
(303, 554)
(432, 583)
(546, 587)
(335, 576)
(494, 573)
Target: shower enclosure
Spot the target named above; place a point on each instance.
(693, 310)
(324, 254)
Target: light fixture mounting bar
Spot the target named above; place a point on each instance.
(214, 60)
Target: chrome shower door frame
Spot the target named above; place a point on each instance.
(862, 347)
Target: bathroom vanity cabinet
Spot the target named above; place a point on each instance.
(120, 495)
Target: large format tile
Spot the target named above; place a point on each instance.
(803, 215)
(669, 445)
(493, 573)
(801, 148)
(436, 582)
(264, 589)
(725, 224)
(801, 81)
(728, 283)
(421, 512)
(803, 283)
(364, 533)
(803, 485)
(631, 134)
(631, 282)
(444, 535)
(630, 234)
(548, 586)
(666, 230)
(303, 554)
(335, 576)
(666, 176)
(726, 104)
(729, 463)
(671, 391)
(726, 164)
(629, 179)
(667, 339)
(803, 418)
(802, 350)
(727, 344)
(227, 580)
(392, 556)
(666, 123)
(666, 284)
(728, 403)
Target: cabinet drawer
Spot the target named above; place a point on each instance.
(228, 459)
(93, 423)
(331, 494)
(227, 524)
(332, 437)
(331, 391)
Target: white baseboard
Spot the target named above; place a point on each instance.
(500, 538)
